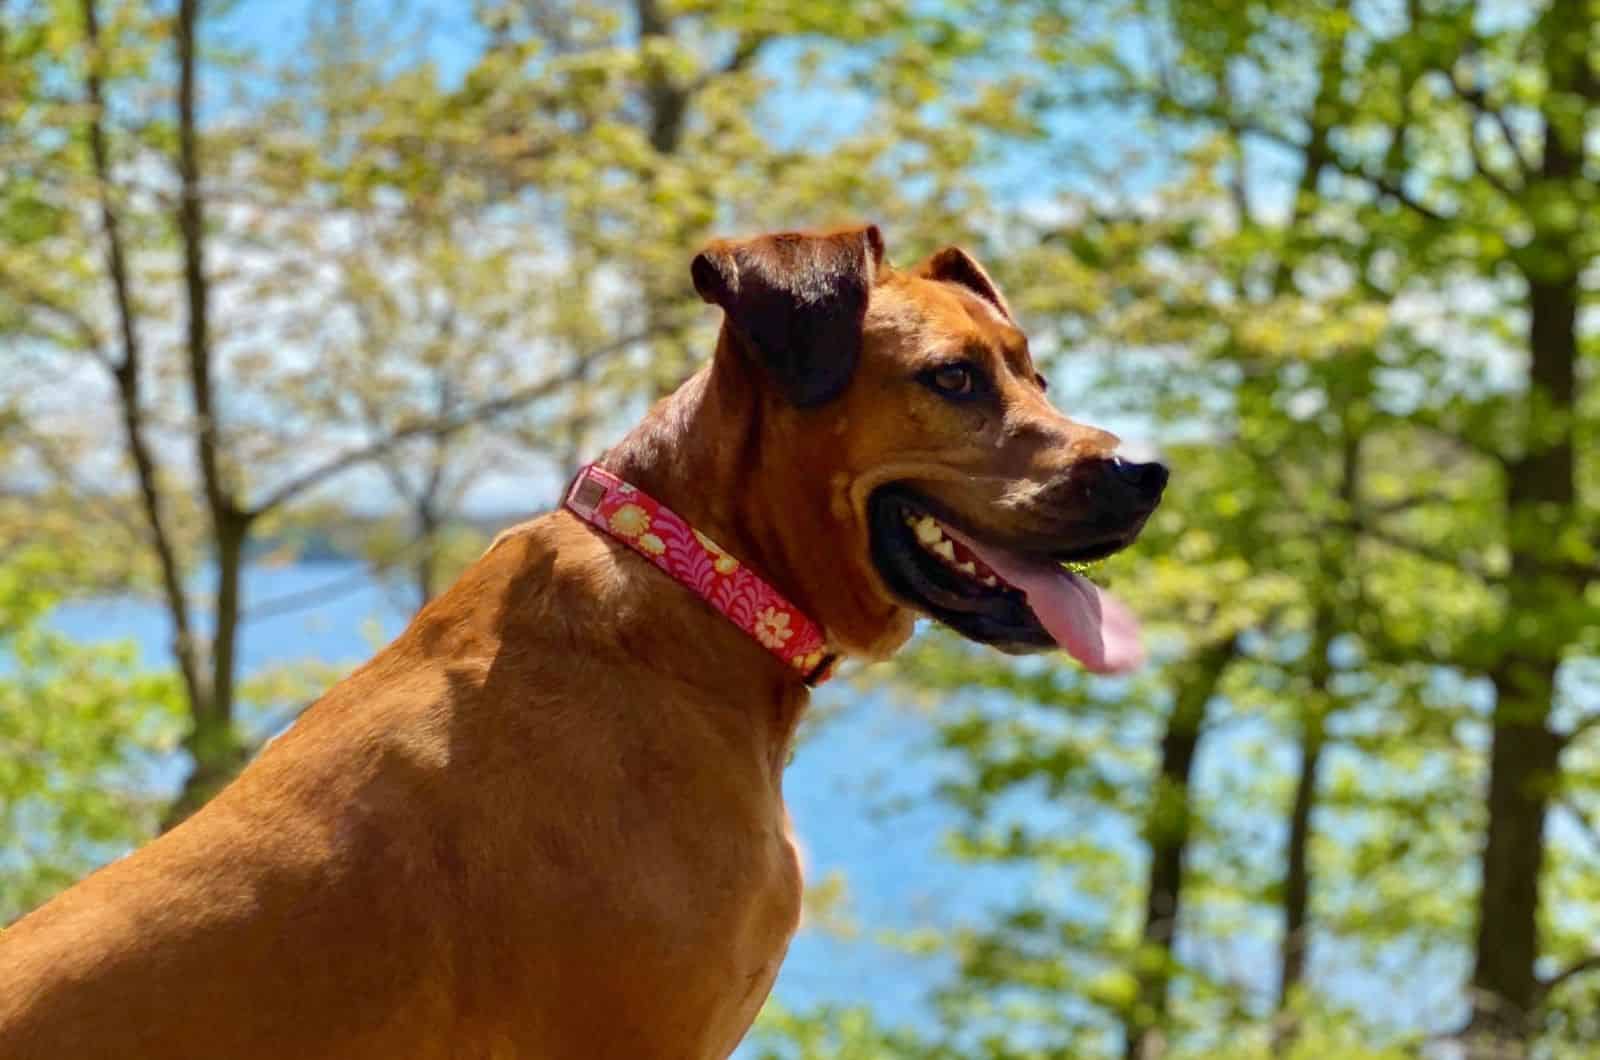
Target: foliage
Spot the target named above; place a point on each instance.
(1359, 375)
(1336, 259)
(83, 732)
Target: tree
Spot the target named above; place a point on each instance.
(1518, 99)
(1317, 330)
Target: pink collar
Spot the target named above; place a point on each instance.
(666, 539)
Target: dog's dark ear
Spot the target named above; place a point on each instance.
(954, 265)
(797, 302)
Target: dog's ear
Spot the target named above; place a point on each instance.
(797, 302)
(954, 265)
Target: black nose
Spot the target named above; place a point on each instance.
(1148, 479)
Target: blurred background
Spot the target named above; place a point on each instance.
(301, 301)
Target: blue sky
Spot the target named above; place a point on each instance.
(445, 31)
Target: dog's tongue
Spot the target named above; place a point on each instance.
(1093, 626)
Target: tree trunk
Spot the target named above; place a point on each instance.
(127, 373)
(212, 741)
(1333, 582)
(230, 568)
(1524, 757)
(668, 102)
(1541, 492)
(1522, 765)
(1297, 871)
(1296, 941)
(426, 568)
(1168, 834)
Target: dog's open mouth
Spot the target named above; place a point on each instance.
(1014, 601)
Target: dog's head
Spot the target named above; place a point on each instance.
(924, 461)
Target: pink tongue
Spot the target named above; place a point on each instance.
(1093, 626)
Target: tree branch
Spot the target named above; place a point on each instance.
(1475, 98)
(1384, 183)
(1454, 439)
(1165, 97)
(1578, 967)
(1581, 820)
(745, 50)
(92, 499)
(29, 295)
(1579, 729)
(1452, 560)
(438, 428)
(1481, 164)
(300, 599)
(1406, 504)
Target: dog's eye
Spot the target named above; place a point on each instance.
(953, 380)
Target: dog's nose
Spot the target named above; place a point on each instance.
(1148, 479)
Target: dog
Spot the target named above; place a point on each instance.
(547, 821)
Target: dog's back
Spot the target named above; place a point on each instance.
(465, 849)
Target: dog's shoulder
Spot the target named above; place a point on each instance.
(519, 530)
(539, 542)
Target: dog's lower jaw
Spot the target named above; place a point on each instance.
(890, 638)
(869, 623)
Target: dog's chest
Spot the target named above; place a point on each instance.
(770, 919)
(745, 889)
(672, 954)
(732, 934)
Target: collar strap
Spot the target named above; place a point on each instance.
(666, 539)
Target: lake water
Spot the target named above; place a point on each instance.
(860, 789)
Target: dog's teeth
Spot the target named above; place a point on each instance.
(946, 549)
(989, 580)
(928, 531)
(967, 568)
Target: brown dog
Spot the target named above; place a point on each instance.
(547, 821)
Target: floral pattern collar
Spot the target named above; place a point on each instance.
(667, 540)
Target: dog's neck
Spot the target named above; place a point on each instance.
(714, 451)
